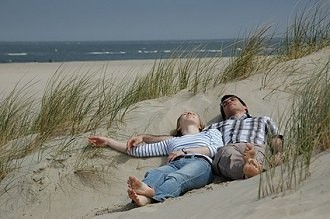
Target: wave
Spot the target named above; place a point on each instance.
(152, 52)
(17, 54)
(214, 50)
(106, 53)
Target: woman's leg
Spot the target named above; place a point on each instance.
(140, 200)
(156, 177)
(139, 187)
(193, 173)
(141, 192)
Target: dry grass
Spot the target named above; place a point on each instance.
(307, 132)
(309, 31)
(248, 59)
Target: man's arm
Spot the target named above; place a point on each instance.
(275, 137)
(155, 138)
(276, 144)
(146, 138)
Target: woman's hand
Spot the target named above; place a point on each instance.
(98, 141)
(173, 155)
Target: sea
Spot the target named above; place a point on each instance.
(14, 52)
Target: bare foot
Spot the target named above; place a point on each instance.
(140, 187)
(249, 152)
(252, 168)
(140, 200)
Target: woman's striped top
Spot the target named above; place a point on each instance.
(211, 138)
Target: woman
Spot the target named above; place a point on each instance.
(189, 155)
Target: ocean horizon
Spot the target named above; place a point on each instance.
(65, 51)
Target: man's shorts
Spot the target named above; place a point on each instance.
(229, 162)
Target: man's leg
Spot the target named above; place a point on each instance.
(229, 161)
(251, 167)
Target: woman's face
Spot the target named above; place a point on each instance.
(189, 118)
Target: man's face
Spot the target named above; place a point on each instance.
(232, 105)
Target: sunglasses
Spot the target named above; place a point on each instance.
(226, 101)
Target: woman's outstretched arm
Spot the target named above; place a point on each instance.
(101, 141)
(144, 150)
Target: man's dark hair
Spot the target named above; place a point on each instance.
(225, 97)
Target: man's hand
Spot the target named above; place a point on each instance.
(276, 145)
(134, 141)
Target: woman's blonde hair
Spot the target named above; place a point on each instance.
(177, 132)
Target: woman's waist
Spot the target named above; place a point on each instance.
(191, 156)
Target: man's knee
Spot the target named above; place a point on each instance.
(229, 162)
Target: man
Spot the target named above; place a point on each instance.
(245, 139)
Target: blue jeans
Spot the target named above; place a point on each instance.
(178, 177)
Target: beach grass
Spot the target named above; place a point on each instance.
(15, 114)
(65, 104)
(16, 111)
(247, 55)
(307, 127)
(307, 133)
(309, 32)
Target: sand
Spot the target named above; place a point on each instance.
(47, 186)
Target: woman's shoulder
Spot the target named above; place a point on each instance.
(213, 131)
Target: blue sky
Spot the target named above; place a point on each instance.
(61, 20)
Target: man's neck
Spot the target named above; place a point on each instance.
(237, 115)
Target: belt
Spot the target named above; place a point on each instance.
(192, 156)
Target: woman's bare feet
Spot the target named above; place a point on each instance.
(251, 167)
(140, 200)
(140, 187)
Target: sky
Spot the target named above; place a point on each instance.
(90, 20)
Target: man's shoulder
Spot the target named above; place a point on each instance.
(214, 125)
(231, 120)
(260, 117)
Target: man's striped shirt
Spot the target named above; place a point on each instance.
(254, 130)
